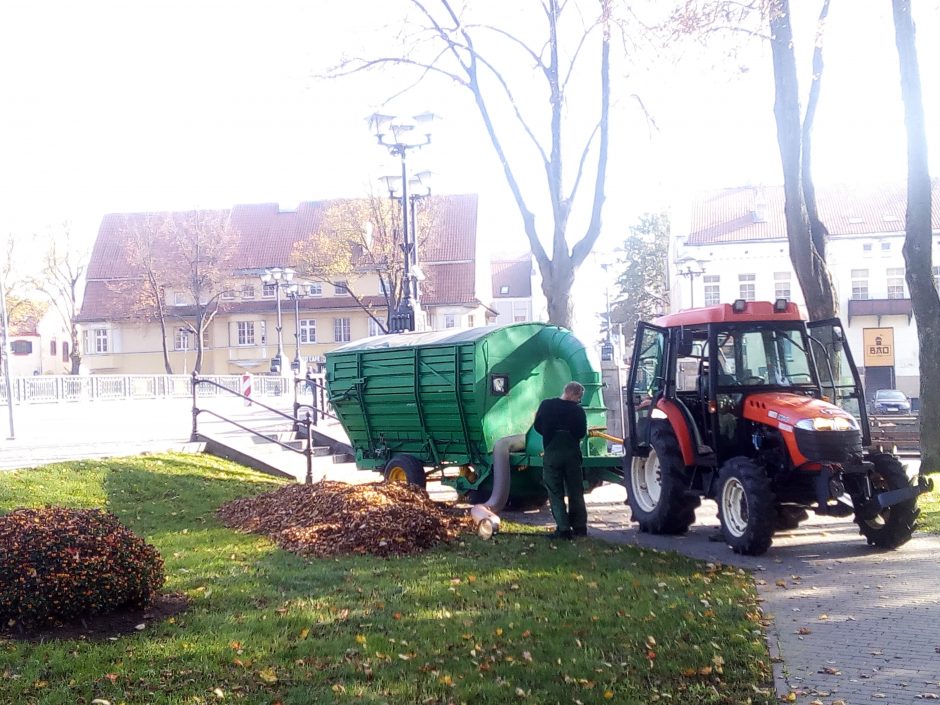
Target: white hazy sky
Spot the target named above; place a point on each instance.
(156, 105)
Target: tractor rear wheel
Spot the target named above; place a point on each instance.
(746, 506)
(405, 468)
(657, 489)
(892, 526)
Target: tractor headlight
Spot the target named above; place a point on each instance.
(828, 423)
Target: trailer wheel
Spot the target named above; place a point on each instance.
(746, 506)
(657, 489)
(405, 468)
(892, 526)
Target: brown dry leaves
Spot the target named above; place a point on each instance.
(332, 518)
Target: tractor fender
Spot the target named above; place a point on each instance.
(676, 416)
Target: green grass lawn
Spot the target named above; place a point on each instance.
(930, 508)
(517, 619)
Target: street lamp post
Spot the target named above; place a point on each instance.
(691, 268)
(295, 293)
(398, 136)
(278, 275)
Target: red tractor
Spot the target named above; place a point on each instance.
(748, 405)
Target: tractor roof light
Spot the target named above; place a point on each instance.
(780, 305)
(739, 306)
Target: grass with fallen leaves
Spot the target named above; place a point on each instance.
(930, 508)
(518, 619)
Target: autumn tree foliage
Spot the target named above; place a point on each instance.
(560, 45)
(192, 253)
(61, 278)
(360, 240)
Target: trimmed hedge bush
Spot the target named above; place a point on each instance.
(61, 564)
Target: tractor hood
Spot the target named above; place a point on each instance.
(787, 411)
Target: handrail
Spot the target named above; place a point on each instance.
(308, 423)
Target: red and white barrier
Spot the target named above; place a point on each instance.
(246, 387)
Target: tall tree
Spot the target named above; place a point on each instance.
(485, 59)
(806, 233)
(917, 236)
(361, 237)
(148, 246)
(643, 287)
(202, 264)
(61, 279)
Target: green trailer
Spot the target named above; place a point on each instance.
(460, 404)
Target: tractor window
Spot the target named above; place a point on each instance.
(649, 373)
(689, 368)
(762, 357)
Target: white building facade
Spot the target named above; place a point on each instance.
(732, 245)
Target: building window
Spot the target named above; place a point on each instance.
(936, 277)
(182, 339)
(21, 347)
(747, 285)
(450, 320)
(712, 289)
(269, 290)
(179, 298)
(308, 330)
(65, 351)
(520, 313)
(896, 283)
(885, 246)
(248, 292)
(341, 288)
(52, 347)
(228, 295)
(504, 289)
(782, 285)
(246, 332)
(471, 321)
(374, 328)
(859, 283)
(341, 330)
(866, 247)
(314, 289)
(97, 341)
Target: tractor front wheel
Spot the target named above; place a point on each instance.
(407, 469)
(657, 490)
(746, 506)
(892, 526)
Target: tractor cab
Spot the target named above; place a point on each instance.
(747, 394)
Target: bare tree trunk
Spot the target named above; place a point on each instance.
(917, 236)
(557, 289)
(808, 262)
(166, 353)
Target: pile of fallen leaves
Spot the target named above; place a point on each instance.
(331, 518)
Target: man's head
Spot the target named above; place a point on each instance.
(573, 392)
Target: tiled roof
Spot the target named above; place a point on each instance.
(511, 278)
(265, 237)
(734, 215)
(448, 284)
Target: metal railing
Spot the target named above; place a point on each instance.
(319, 406)
(69, 388)
(199, 385)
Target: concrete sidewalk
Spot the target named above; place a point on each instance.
(848, 622)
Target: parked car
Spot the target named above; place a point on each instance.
(890, 401)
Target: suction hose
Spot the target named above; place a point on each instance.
(486, 515)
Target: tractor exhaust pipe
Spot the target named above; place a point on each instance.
(486, 515)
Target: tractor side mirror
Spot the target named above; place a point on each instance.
(685, 343)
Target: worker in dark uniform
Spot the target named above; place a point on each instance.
(562, 424)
